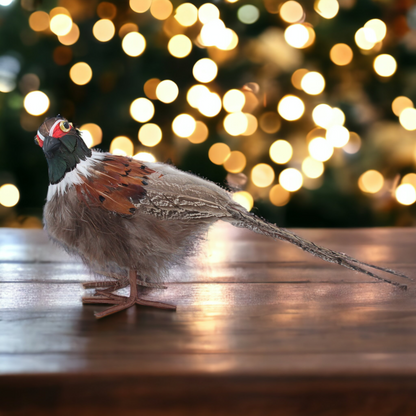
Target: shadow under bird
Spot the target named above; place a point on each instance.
(132, 221)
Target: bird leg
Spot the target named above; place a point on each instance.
(120, 302)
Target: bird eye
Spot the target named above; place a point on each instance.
(64, 125)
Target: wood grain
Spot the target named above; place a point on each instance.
(261, 328)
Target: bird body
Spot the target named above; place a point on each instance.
(133, 220)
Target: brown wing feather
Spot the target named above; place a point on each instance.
(119, 184)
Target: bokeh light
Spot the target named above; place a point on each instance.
(186, 14)
(167, 91)
(312, 168)
(385, 65)
(91, 134)
(183, 125)
(144, 157)
(133, 44)
(196, 94)
(106, 10)
(325, 116)
(140, 6)
(405, 194)
(244, 198)
(161, 9)
(142, 110)
(291, 179)
(270, 122)
(320, 149)
(208, 12)
(236, 162)
(313, 83)
(248, 14)
(291, 107)
(150, 134)
(80, 73)
(371, 181)
(291, 11)
(233, 101)
(200, 133)
(407, 119)
(180, 46)
(361, 38)
(210, 104)
(337, 136)
(378, 27)
(205, 70)
(281, 152)
(39, 21)
(297, 35)
(122, 146)
(36, 103)
(400, 103)
(252, 125)
(70, 38)
(341, 54)
(9, 195)
(60, 24)
(297, 76)
(327, 8)
(410, 178)
(354, 143)
(104, 30)
(279, 196)
(262, 175)
(218, 153)
(127, 28)
(149, 88)
(235, 124)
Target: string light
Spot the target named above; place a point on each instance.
(262, 175)
(196, 94)
(80, 73)
(297, 35)
(235, 124)
(320, 149)
(150, 134)
(407, 119)
(210, 105)
(183, 125)
(233, 101)
(36, 103)
(378, 27)
(186, 14)
(279, 196)
(337, 136)
(410, 178)
(252, 124)
(291, 179)
(161, 9)
(208, 12)
(362, 37)
(142, 110)
(200, 134)
(341, 54)
(122, 146)
(297, 76)
(291, 107)
(39, 21)
(327, 8)
(60, 24)
(91, 134)
(72, 37)
(9, 195)
(312, 168)
(371, 181)
(144, 157)
(405, 194)
(140, 6)
(281, 152)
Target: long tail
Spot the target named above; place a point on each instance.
(244, 219)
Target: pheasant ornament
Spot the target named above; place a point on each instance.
(132, 221)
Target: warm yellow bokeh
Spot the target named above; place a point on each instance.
(279, 196)
(244, 198)
(122, 146)
(196, 94)
(161, 9)
(91, 134)
(297, 35)
(183, 125)
(200, 134)
(144, 157)
(9, 195)
(262, 175)
(140, 6)
(313, 83)
(327, 8)
(142, 110)
(104, 30)
(337, 136)
(150, 134)
(180, 46)
(210, 105)
(235, 123)
(60, 24)
(405, 194)
(270, 122)
(291, 179)
(36, 103)
(236, 162)
(407, 119)
(312, 168)
(252, 125)
(80, 73)
(186, 14)
(233, 101)
(205, 70)
(365, 38)
(371, 181)
(281, 152)
(341, 54)
(167, 91)
(291, 107)
(208, 12)
(219, 153)
(72, 37)
(400, 103)
(39, 21)
(320, 149)
(379, 28)
(133, 44)
(385, 65)
(291, 11)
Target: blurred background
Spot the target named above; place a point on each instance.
(304, 108)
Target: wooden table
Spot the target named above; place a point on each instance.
(261, 328)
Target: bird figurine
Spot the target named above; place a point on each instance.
(132, 221)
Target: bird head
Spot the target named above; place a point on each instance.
(62, 145)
